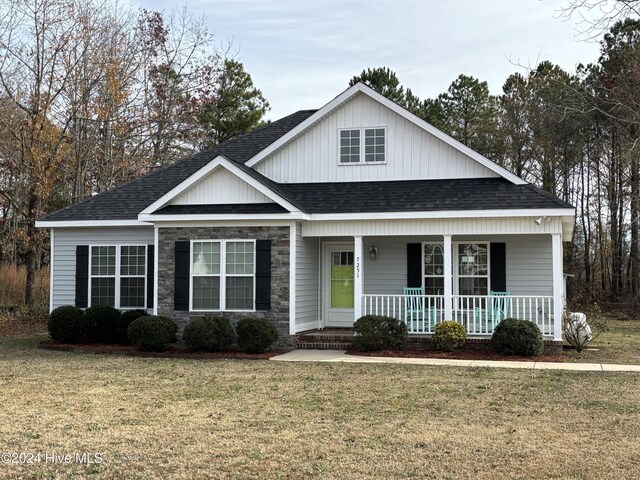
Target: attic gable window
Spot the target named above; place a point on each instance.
(349, 146)
(359, 146)
(374, 145)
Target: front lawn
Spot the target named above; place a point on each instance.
(621, 344)
(161, 418)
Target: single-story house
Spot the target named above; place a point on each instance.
(316, 219)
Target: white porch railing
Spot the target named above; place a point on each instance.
(479, 314)
(419, 312)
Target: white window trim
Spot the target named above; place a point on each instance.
(117, 275)
(222, 275)
(456, 276)
(362, 146)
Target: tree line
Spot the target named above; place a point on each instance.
(575, 134)
(93, 94)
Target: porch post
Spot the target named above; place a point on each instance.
(556, 256)
(448, 279)
(358, 277)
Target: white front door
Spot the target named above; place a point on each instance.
(338, 285)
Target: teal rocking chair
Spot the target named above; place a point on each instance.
(496, 311)
(418, 316)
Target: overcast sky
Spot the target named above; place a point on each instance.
(302, 53)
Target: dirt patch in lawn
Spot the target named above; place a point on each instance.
(462, 354)
(171, 351)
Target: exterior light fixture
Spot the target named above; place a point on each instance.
(373, 252)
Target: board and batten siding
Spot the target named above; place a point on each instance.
(411, 152)
(64, 254)
(221, 187)
(528, 263)
(307, 310)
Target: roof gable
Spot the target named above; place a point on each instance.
(428, 149)
(220, 187)
(197, 186)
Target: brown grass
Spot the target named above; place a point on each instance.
(12, 284)
(621, 344)
(169, 418)
(14, 316)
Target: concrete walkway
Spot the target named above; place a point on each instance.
(341, 356)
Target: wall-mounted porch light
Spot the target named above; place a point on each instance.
(538, 221)
(373, 252)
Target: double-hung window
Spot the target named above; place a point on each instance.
(118, 276)
(433, 269)
(222, 275)
(473, 268)
(470, 268)
(360, 146)
(132, 276)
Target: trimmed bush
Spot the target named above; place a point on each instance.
(122, 325)
(151, 332)
(208, 333)
(375, 332)
(64, 324)
(255, 335)
(449, 336)
(99, 324)
(517, 337)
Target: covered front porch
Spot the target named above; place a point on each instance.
(471, 278)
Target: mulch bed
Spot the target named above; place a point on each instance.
(461, 354)
(171, 351)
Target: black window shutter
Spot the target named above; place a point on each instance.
(414, 265)
(82, 276)
(498, 267)
(263, 274)
(181, 288)
(150, 274)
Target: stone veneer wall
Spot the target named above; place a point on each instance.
(279, 236)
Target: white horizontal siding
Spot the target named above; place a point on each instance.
(453, 226)
(411, 152)
(528, 263)
(63, 287)
(307, 288)
(529, 266)
(221, 187)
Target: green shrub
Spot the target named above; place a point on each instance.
(152, 332)
(375, 332)
(99, 324)
(208, 333)
(64, 324)
(255, 335)
(123, 322)
(449, 336)
(517, 337)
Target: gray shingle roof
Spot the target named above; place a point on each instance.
(126, 201)
(418, 195)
